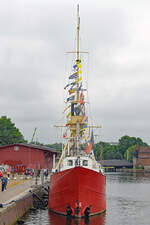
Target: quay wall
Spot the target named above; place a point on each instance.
(10, 214)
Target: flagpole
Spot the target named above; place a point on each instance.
(78, 28)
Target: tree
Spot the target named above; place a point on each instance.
(129, 153)
(57, 146)
(9, 134)
(117, 151)
(125, 142)
(109, 151)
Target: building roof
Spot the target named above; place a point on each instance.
(40, 147)
(116, 163)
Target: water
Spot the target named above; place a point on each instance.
(128, 203)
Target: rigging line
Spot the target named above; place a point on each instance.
(61, 119)
(90, 108)
(63, 92)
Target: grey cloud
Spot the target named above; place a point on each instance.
(34, 35)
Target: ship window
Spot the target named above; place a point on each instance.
(85, 162)
(70, 163)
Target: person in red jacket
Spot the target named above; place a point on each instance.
(1, 175)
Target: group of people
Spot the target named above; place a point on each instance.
(3, 181)
(28, 172)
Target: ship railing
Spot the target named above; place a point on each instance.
(61, 157)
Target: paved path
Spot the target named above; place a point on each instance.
(15, 191)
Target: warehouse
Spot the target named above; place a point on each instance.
(22, 156)
(141, 157)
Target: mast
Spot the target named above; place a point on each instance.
(78, 50)
(77, 138)
(78, 29)
(77, 96)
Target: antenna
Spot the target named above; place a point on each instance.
(78, 29)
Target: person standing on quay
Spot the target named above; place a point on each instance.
(4, 183)
(6, 179)
(1, 175)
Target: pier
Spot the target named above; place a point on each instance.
(18, 199)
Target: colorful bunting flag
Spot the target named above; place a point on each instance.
(85, 137)
(67, 108)
(83, 128)
(79, 89)
(71, 91)
(73, 76)
(79, 65)
(78, 80)
(83, 119)
(71, 98)
(73, 84)
(68, 115)
(65, 135)
(81, 98)
(75, 66)
(86, 119)
(90, 144)
(66, 86)
(83, 108)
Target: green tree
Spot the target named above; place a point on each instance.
(129, 153)
(125, 142)
(36, 143)
(117, 151)
(9, 134)
(56, 146)
(109, 151)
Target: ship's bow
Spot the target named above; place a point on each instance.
(77, 191)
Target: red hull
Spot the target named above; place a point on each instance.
(85, 185)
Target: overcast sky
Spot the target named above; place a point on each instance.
(34, 36)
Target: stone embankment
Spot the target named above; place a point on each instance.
(17, 199)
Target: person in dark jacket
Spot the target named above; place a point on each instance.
(46, 174)
(4, 183)
(6, 180)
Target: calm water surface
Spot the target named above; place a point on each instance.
(128, 203)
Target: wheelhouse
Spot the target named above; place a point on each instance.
(83, 161)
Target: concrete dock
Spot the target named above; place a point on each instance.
(17, 200)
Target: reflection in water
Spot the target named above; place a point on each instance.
(62, 220)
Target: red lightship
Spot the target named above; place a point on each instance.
(77, 186)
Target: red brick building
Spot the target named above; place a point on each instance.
(21, 156)
(142, 157)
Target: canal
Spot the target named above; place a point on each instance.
(128, 203)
